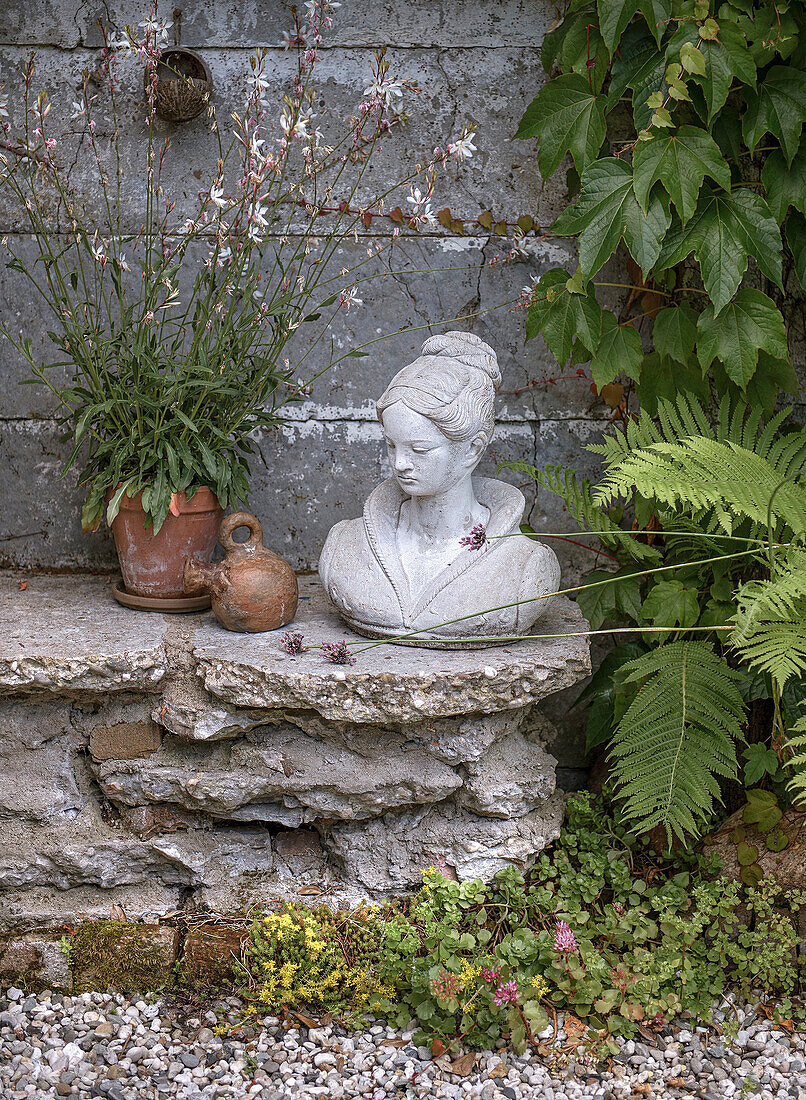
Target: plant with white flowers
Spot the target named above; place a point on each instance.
(174, 327)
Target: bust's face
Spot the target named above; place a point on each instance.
(425, 462)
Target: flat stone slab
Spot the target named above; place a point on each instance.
(388, 683)
(66, 633)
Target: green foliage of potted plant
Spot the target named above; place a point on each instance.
(173, 325)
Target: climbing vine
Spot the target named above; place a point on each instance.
(683, 120)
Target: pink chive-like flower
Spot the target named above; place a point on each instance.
(337, 653)
(293, 642)
(507, 994)
(477, 539)
(564, 938)
(490, 974)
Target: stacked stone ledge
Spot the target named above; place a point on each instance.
(159, 761)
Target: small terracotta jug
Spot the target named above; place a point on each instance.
(252, 589)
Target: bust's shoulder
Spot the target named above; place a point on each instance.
(341, 537)
(535, 563)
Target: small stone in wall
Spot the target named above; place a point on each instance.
(299, 851)
(148, 821)
(125, 740)
(211, 954)
(36, 961)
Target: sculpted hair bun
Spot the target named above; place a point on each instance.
(467, 348)
(453, 383)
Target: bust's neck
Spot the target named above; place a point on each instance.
(446, 517)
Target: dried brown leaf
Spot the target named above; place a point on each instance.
(465, 1065)
(573, 1027)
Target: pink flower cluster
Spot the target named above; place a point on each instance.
(507, 994)
(490, 974)
(477, 539)
(293, 642)
(564, 938)
(337, 653)
(447, 985)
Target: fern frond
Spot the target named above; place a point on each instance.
(577, 495)
(677, 736)
(705, 474)
(770, 621)
(736, 423)
(778, 647)
(781, 596)
(797, 762)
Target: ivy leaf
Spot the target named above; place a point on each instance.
(746, 854)
(553, 42)
(727, 132)
(628, 593)
(726, 228)
(644, 233)
(670, 603)
(607, 696)
(762, 810)
(771, 378)
(614, 15)
(785, 187)
(736, 334)
(656, 13)
(619, 350)
(620, 595)
(640, 68)
(681, 161)
(692, 59)
(725, 60)
(561, 316)
(796, 239)
(606, 211)
(597, 601)
(582, 43)
(778, 106)
(675, 332)
(564, 116)
(759, 761)
(663, 379)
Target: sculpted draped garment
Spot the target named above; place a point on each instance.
(362, 574)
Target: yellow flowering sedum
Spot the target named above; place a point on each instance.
(314, 958)
(468, 975)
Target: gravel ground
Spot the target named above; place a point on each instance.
(95, 1044)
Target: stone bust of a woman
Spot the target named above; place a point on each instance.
(429, 548)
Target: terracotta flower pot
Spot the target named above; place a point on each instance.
(152, 564)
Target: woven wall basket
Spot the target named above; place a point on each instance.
(184, 84)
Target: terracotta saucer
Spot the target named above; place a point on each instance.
(148, 603)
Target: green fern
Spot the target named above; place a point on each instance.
(703, 475)
(797, 762)
(577, 495)
(731, 470)
(677, 736)
(737, 422)
(782, 596)
(770, 621)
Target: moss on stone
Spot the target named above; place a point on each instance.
(120, 956)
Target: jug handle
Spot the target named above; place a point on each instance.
(231, 523)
